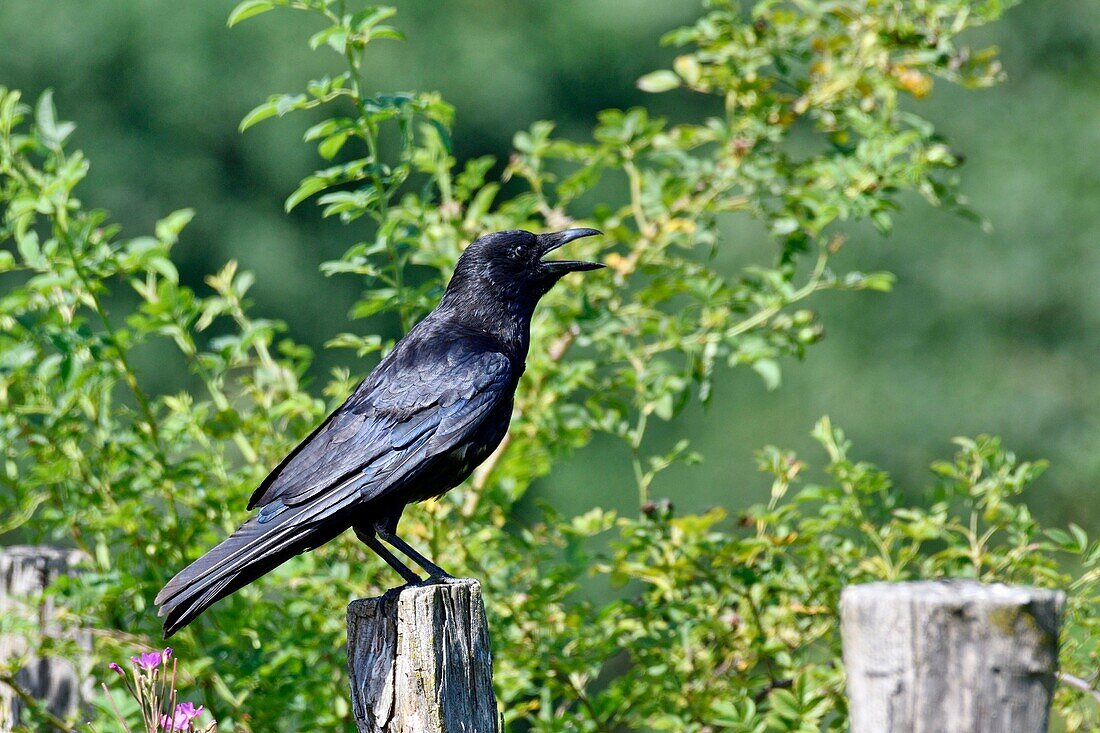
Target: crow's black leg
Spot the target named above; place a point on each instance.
(389, 536)
(368, 538)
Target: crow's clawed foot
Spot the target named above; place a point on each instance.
(441, 577)
(434, 580)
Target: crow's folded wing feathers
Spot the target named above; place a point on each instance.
(391, 427)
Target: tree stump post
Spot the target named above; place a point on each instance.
(420, 662)
(62, 684)
(950, 656)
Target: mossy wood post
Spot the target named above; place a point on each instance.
(950, 656)
(62, 684)
(420, 662)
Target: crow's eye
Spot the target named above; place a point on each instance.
(517, 252)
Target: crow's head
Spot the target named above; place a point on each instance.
(510, 265)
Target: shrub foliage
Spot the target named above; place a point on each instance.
(712, 623)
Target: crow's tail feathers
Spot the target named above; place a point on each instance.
(254, 549)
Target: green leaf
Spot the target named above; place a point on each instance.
(258, 114)
(168, 229)
(248, 9)
(1062, 538)
(480, 204)
(1080, 536)
(369, 17)
(306, 188)
(663, 406)
(22, 514)
(286, 102)
(335, 36)
(387, 32)
(785, 225)
(659, 81)
(769, 370)
(52, 132)
(321, 129)
(784, 703)
(45, 114)
(29, 249)
(103, 554)
(331, 145)
(882, 221)
(236, 700)
(883, 282)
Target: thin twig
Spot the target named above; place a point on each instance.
(811, 286)
(129, 376)
(114, 706)
(1080, 684)
(582, 698)
(173, 693)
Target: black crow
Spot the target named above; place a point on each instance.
(429, 413)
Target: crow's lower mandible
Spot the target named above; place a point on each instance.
(431, 411)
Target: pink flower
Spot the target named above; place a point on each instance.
(147, 661)
(166, 654)
(181, 719)
(116, 669)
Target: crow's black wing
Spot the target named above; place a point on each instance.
(410, 410)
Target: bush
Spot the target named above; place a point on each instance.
(710, 626)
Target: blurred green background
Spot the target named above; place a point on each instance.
(995, 333)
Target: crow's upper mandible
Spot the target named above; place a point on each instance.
(416, 427)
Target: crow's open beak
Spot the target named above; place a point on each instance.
(554, 240)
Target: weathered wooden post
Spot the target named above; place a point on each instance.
(25, 571)
(420, 661)
(950, 656)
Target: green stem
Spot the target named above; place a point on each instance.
(112, 337)
(762, 636)
(645, 228)
(61, 226)
(220, 400)
(812, 285)
(370, 137)
(640, 476)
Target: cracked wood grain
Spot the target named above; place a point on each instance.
(420, 661)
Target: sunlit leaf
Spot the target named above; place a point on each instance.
(248, 9)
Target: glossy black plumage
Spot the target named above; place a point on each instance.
(430, 412)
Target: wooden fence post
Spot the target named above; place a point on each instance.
(420, 662)
(950, 656)
(63, 684)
